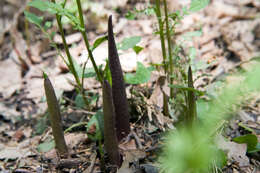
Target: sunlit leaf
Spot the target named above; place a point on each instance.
(188, 36)
(56, 8)
(197, 5)
(130, 15)
(192, 52)
(33, 18)
(89, 72)
(39, 4)
(46, 146)
(128, 43)
(256, 58)
(200, 93)
(98, 42)
(142, 75)
(47, 25)
(74, 126)
(249, 139)
(138, 49)
(95, 127)
(79, 101)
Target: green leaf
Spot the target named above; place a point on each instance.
(149, 11)
(197, 5)
(78, 68)
(94, 98)
(98, 121)
(46, 6)
(77, 125)
(33, 18)
(41, 125)
(46, 146)
(256, 149)
(142, 75)
(39, 4)
(202, 107)
(55, 8)
(192, 52)
(130, 15)
(128, 43)
(151, 68)
(185, 11)
(98, 42)
(89, 72)
(245, 127)
(249, 139)
(200, 65)
(188, 36)
(221, 157)
(256, 58)
(200, 93)
(79, 101)
(137, 49)
(47, 25)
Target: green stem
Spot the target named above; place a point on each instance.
(159, 18)
(100, 78)
(70, 64)
(169, 45)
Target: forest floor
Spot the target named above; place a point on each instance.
(230, 38)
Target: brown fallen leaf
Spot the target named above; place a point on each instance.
(19, 135)
(11, 80)
(235, 152)
(131, 156)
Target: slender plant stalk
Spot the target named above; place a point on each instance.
(110, 137)
(169, 46)
(192, 111)
(83, 32)
(27, 35)
(23, 64)
(118, 86)
(26, 26)
(102, 158)
(161, 31)
(55, 118)
(159, 18)
(70, 64)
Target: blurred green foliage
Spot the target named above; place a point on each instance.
(192, 150)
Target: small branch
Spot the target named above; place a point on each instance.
(159, 18)
(70, 64)
(85, 38)
(169, 46)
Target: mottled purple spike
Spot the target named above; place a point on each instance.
(118, 86)
(110, 136)
(192, 111)
(55, 118)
